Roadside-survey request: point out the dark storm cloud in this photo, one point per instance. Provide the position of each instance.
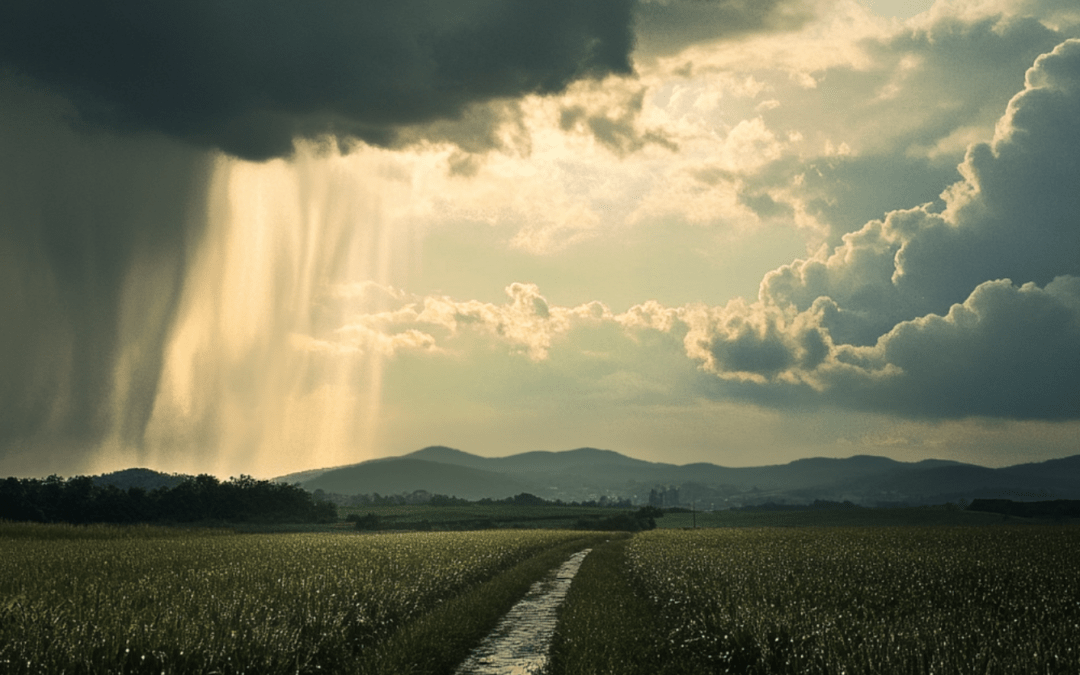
(106, 109)
(970, 310)
(249, 76)
(665, 27)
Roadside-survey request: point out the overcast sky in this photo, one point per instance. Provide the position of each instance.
(264, 236)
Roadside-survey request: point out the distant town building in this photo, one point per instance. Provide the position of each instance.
(662, 497)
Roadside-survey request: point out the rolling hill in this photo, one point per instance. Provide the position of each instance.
(406, 475)
(590, 473)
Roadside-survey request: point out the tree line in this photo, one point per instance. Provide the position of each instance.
(1056, 508)
(198, 499)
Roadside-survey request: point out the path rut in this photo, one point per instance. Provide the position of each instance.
(519, 643)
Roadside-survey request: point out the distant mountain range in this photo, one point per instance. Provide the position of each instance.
(590, 474)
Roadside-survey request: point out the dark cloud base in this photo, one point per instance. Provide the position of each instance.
(250, 76)
(667, 26)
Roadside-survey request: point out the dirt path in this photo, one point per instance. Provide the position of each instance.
(519, 644)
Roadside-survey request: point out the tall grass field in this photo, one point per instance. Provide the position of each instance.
(153, 600)
(941, 600)
(830, 600)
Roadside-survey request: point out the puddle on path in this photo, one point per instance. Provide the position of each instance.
(519, 644)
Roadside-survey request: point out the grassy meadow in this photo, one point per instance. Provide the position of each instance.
(198, 602)
(942, 600)
(906, 599)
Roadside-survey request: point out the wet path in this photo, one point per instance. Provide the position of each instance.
(519, 644)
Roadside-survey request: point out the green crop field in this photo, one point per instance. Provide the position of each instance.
(1001, 599)
(151, 600)
(827, 600)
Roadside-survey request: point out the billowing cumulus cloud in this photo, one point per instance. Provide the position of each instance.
(1006, 351)
(527, 323)
(970, 310)
(753, 343)
(855, 118)
(357, 339)
(250, 76)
